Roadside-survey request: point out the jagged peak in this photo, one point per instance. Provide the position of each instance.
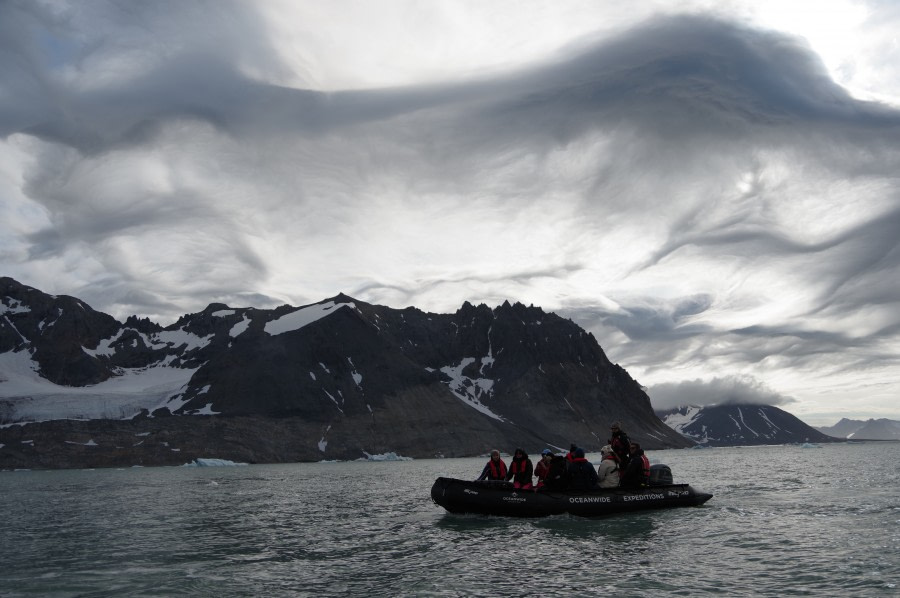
(467, 308)
(521, 311)
(341, 298)
(145, 325)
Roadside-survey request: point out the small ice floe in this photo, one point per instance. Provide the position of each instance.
(809, 445)
(392, 456)
(212, 463)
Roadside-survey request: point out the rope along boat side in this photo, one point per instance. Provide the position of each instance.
(500, 498)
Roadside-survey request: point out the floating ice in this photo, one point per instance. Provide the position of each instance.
(392, 456)
(212, 463)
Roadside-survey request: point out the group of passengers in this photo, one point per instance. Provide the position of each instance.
(623, 464)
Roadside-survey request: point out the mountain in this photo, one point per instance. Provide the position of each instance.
(339, 379)
(873, 429)
(843, 429)
(740, 425)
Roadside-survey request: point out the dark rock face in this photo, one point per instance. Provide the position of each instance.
(333, 380)
(55, 330)
(740, 425)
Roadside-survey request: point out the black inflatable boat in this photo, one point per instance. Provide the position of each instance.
(500, 498)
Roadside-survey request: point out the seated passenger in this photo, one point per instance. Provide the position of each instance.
(608, 471)
(495, 468)
(520, 470)
(543, 467)
(637, 472)
(571, 454)
(582, 475)
(558, 477)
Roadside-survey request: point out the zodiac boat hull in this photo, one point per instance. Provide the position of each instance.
(500, 498)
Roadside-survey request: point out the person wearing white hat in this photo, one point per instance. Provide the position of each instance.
(608, 471)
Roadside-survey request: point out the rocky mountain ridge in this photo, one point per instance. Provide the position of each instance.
(338, 379)
(740, 425)
(871, 429)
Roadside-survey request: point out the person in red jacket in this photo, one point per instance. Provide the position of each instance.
(619, 443)
(495, 468)
(543, 467)
(520, 470)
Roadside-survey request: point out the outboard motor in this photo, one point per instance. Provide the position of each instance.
(660, 475)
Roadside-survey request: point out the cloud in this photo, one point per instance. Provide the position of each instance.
(697, 192)
(728, 390)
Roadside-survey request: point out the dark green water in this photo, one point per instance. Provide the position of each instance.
(784, 521)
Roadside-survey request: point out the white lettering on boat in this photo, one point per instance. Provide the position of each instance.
(588, 499)
(628, 498)
(514, 498)
(467, 491)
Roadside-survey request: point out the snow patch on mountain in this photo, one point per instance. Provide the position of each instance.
(470, 390)
(25, 396)
(679, 420)
(11, 305)
(240, 327)
(303, 317)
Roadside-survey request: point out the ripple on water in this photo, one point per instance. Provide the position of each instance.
(775, 527)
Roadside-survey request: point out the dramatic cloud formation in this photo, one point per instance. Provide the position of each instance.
(713, 194)
(732, 390)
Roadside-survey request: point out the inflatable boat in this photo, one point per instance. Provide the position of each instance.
(500, 498)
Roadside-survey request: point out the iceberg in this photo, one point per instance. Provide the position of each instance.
(385, 457)
(212, 463)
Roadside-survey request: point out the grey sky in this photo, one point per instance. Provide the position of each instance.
(712, 193)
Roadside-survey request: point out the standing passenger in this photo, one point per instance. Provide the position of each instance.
(495, 468)
(619, 443)
(608, 471)
(520, 470)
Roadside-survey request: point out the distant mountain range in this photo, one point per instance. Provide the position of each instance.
(339, 379)
(872, 429)
(740, 425)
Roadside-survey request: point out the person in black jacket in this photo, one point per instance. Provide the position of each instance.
(520, 470)
(582, 475)
(637, 472)
(558, 477)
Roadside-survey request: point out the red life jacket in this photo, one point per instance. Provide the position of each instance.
(645, 468)
(518, 466)
(499, 465)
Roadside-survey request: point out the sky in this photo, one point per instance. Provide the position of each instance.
(711, 190)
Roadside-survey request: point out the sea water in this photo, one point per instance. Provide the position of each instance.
(784, 521)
